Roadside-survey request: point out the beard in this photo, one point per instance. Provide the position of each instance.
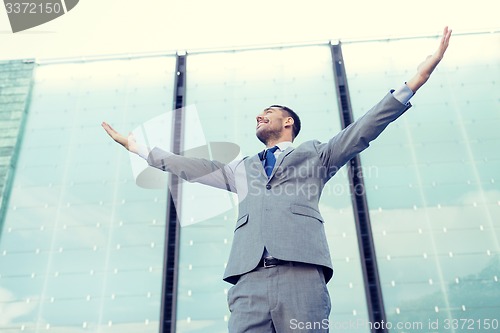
(266, 134)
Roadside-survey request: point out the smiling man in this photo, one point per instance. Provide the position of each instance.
(280, 261)
(271, 121)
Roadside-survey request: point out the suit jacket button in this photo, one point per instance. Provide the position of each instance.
(268, 186)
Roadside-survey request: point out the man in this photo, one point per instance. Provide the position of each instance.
(280, 261)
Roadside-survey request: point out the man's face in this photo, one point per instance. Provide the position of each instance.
(270, 124)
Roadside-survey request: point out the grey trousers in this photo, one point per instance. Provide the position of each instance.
(285, 299)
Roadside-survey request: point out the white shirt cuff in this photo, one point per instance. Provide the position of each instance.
(143, 152)
(403, 94)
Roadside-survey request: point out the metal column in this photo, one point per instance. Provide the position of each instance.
(172, 229)
(375, 302)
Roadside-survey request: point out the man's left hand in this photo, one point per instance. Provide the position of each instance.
(426, 68)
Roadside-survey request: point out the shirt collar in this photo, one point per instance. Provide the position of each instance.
(284, 145)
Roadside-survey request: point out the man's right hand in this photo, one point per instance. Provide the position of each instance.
(128, 142)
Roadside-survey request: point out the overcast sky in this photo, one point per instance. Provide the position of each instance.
(100, 27)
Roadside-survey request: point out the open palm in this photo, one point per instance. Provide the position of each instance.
(425, 69)
(128, 142)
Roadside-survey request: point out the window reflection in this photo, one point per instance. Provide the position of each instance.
(435, 203)
(82, 245)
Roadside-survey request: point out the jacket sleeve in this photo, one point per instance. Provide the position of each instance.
(357, 136)
(199, 170)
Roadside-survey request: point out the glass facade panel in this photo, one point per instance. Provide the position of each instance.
(228, 91)
(82, 245)
(15, 87)
(435, 198)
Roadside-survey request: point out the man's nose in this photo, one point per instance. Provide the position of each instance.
(259, 118)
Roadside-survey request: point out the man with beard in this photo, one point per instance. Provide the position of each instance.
(280, 261)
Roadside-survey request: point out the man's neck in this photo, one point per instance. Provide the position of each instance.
(281, 144)
(272, 143)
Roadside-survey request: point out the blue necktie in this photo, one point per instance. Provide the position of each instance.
(270, 161)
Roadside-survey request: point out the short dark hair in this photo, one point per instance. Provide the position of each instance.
(295, 117)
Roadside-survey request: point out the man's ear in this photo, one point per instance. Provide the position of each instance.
(289, 121)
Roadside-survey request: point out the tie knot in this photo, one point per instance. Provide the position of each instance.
(273, 149)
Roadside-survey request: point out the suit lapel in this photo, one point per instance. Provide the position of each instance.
(256, 164)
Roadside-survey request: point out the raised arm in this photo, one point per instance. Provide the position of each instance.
(357, 136)
(426, 68)
(200, 170)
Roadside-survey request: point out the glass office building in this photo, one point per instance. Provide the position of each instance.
(82, 238)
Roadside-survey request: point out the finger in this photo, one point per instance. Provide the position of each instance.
(112, 133)
(109, 129)
(106, 127)
(446, 36)
(444, 42)
(443, 37)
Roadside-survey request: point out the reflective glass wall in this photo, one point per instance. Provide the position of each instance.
(15, 86)
(435, 198)
(82, 245)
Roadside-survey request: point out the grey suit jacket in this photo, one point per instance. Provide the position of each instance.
(281, 213)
